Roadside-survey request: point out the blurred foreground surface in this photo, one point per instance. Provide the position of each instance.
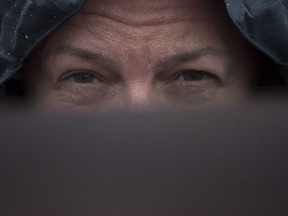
(220, 163)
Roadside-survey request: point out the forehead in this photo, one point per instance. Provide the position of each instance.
(149, 5)
(139, 12)
(138, 19)
(152, 28)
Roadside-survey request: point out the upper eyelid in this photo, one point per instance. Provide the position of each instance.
(198, 61)
(68, 74)
(173, 75)
(180, 59)
(217, 79)
(206, 73)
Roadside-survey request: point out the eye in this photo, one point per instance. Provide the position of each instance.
(188, 82)
(192, 76)
(81, 78)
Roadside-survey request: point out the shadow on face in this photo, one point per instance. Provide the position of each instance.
(139, 55)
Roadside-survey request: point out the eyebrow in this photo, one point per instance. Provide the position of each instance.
(82, 53)
(176, 58)
(192, 55)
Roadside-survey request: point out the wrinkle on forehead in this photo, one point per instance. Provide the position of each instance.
(149, 5)
(124, 24)
(152, 12)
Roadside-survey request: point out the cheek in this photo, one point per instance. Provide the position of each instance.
(76, 99)
(234, 93)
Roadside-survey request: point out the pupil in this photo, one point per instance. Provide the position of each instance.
(192, 76)
(83, 78)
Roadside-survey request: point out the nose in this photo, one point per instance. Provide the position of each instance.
(140, 97)
(139, 82)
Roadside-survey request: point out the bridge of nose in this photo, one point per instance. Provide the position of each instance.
(139, 79)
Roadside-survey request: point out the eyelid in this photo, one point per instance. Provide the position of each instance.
(65, 76)
(176, 75)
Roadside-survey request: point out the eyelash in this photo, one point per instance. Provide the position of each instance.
(207, 81)
(175, 78)
(197, 72)
(68, 75)
(67, 79)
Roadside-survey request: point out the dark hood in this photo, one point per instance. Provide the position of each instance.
(24, 23)
(264, 23)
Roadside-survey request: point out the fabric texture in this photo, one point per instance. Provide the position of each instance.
(25, 23)
(264, 23)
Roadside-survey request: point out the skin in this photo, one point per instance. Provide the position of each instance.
(139, 55)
